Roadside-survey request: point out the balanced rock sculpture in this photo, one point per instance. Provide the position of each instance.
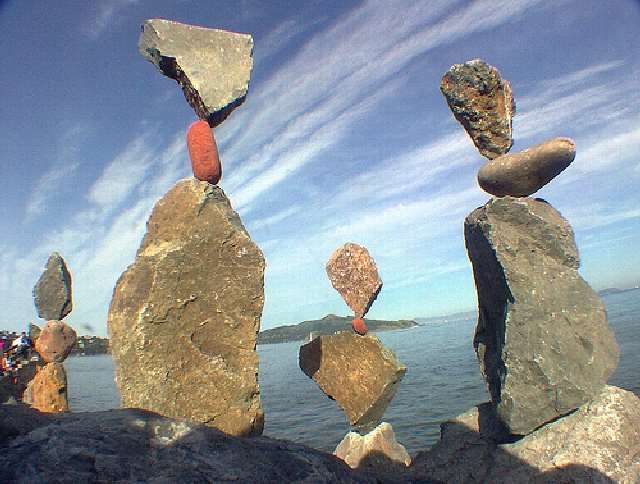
(521, 174)
(482, 102)
(356, 371)
(184, 316)
(212, 66)
(52, 292)
(542, 338)
(353, 273)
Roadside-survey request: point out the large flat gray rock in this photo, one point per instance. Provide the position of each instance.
(184, 316)
(212, 66)
(542, 338)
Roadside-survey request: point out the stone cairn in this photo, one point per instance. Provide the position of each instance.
(184, 316)
(542, 338)
(47, 391)
(355, 370)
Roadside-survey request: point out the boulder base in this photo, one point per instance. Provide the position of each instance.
(600, 442)
(542, 338)
(378, 449)
(184, 316)
(356, 371)
(47, 391)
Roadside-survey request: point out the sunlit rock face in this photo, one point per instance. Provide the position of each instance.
(211, 66)
(542, 339)
(184, 316)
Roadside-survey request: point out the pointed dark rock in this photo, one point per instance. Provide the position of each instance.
(52, 292)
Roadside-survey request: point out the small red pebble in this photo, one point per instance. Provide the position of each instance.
(203, 152)
(358, 326)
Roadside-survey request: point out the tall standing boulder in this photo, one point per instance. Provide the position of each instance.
(542, 339)
(184, 316)
(211, 66)
(47, 391)
(52, 292)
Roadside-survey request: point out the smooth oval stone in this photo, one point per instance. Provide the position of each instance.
(55, 342)
(359, 326)
(521, 174)
(203, 152)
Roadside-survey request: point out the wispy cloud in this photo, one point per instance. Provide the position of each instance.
(108, 12)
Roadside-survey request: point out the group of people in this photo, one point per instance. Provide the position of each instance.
(14, 352)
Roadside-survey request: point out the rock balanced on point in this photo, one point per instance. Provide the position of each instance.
(353, 273)
(483, 103)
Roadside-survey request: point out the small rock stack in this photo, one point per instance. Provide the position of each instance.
(185, 315)
(47, 391)
(543, 341)
(355, 370)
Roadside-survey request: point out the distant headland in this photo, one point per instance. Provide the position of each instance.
(325, 326)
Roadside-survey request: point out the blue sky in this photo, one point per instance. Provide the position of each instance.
(344, 136)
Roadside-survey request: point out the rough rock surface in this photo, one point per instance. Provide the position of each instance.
(212, 66)
(353, 273)
(356, 371)
(600, 442)
(184, 316)
(542, 338)
(378, 449)
(47, 391)
(52, 292)
(55, 341)
(482, 102)
(521, 174)
(138, 446)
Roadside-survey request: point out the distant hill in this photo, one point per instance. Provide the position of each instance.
(327, 325)
(615, 290)
(449, 318)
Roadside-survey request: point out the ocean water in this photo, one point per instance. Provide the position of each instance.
(442, 381)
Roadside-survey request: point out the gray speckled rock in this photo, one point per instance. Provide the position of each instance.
(212, 66)
(542, 338)
(131, 445)
(52, 292)
(482, 102)
(184, 316)
(523, 173)
(600, 442)
(358, 372)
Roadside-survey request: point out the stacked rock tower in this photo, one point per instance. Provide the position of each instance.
(542, 338)
(355, 370)
(47, 391)
(184, 316)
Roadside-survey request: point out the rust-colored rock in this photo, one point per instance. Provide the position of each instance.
(521, 174)
(203, 152)
(377, 450)
(358, 372)
(184, 316)
(353, 273)
(47, 391)
(482, 102)
(359, 326)
(55, 341)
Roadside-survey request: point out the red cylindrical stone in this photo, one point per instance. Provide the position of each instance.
(359, 326)
(203, 152)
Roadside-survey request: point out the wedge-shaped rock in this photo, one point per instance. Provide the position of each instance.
(542, 338)
(212, 66)
(184, 316)
(600, 442)
(521, 174)
(52, 292)
(482, 102)
(378, 449)
(356, 371)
